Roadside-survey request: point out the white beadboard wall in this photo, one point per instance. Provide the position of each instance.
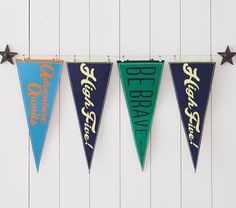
(135, 29)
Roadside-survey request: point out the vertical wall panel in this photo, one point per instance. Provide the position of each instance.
(74, 41)
(73, 168)
(104, 36)
(44, 41)
(104, 29)
(44, 28)
(195, 41)
(165, 28)
(195, 34)
(224, 98)
(105, 167)
(14, 132)
(135, 188)
(165, 145)
(74, 19)
(134, 28)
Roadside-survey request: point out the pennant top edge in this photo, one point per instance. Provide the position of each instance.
(88, 61)
(191, 61)
(140, 61)
(39, 60)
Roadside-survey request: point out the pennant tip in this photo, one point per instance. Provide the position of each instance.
(37, 163)
(195, 167)
(37, 167)
(89, 166)
(142, 166)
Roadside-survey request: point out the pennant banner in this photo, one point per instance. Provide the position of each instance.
(140, 81)
(39, 82)
(89, 82)
(192, 82)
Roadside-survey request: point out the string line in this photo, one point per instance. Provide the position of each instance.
(204, 57)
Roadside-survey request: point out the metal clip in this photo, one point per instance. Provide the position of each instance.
(108, 57)
(211, 59)
(160, 59)
(123, 58)
(175, 58)
(74, 59)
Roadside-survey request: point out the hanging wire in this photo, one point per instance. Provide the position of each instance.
(115, 57)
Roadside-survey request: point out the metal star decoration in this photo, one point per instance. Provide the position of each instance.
(7, 55)
(227, 56)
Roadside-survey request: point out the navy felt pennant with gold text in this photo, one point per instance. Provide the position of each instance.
(192, 82)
